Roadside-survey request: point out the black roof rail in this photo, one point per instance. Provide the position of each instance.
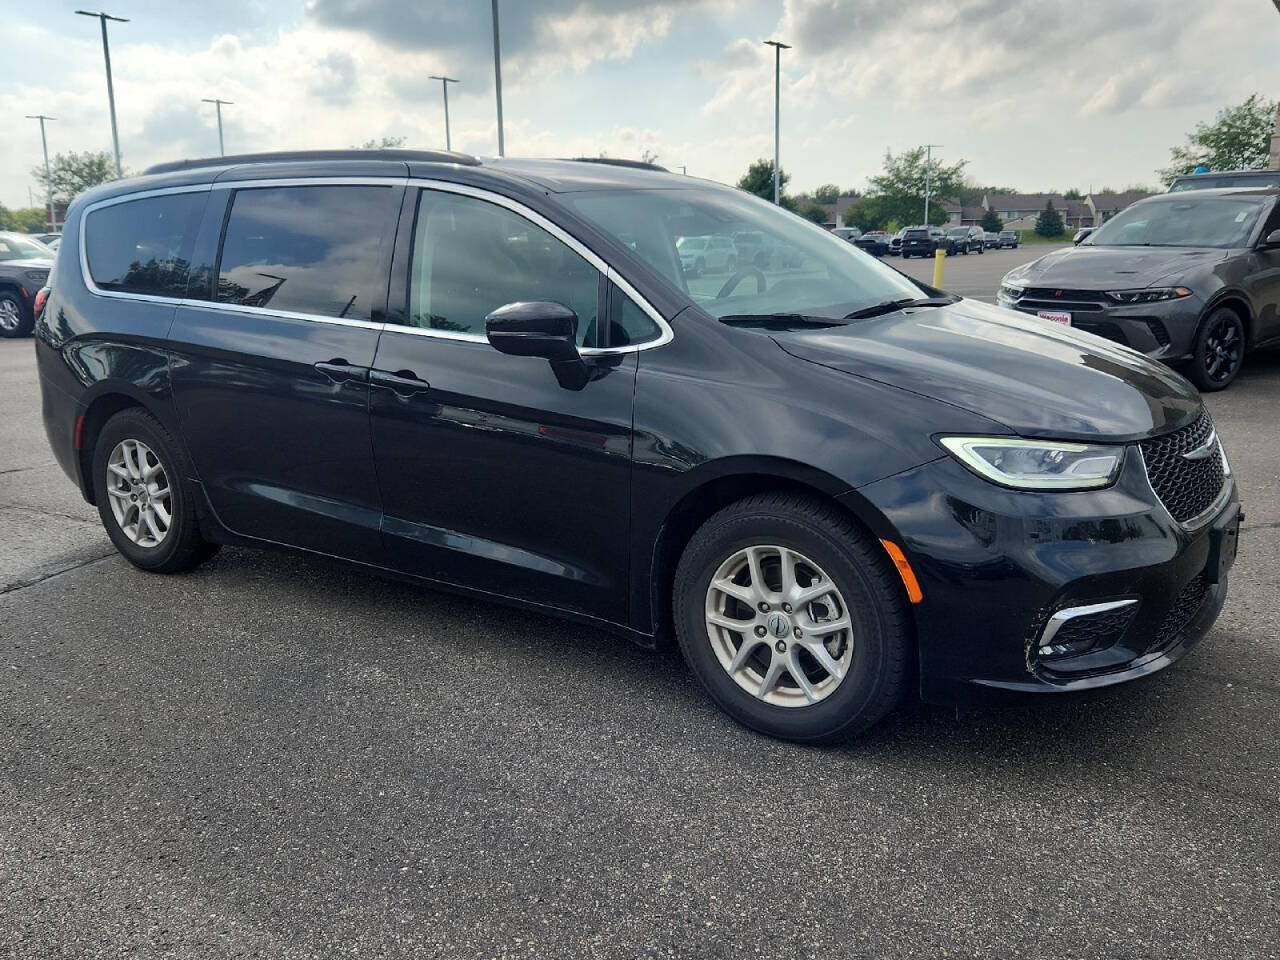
(302, 156)
(616, 162)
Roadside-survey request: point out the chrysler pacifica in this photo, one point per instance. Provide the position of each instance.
(829, 483)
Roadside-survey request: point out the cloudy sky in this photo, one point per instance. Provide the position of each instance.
(1035, 94)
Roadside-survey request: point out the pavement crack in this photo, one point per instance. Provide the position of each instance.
(23, 584)
(37, 466)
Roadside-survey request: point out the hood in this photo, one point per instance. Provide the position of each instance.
(1115, 268)
(1038, 379)
(33, 263)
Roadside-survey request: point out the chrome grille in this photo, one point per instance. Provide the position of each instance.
(1187, 487)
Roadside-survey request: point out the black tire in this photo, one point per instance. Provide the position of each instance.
(182, 546)
(1218, 352)
(857, 566)
(12, 303)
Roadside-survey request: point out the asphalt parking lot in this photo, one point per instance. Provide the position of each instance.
(275, 756)
(976, 275)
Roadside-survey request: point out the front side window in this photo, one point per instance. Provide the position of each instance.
(314, 250)
(144, 246)
(471, 256)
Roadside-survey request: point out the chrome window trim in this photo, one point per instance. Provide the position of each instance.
(665, 332)
(83, 243)
(1062, 617)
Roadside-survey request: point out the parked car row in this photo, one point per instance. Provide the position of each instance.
(1179, 276)
(925, 241)
(726, 253)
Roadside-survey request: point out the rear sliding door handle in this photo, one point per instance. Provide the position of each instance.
(339, 371)
(404, 383)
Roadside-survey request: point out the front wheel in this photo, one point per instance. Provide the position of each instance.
(1219, 350)
(145, 502)
(15, 319)
(792, 619)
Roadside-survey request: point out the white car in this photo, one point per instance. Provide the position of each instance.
(700, 254)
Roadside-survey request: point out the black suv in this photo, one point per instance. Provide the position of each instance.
(965, 240)
(496, 378)
(919, 242)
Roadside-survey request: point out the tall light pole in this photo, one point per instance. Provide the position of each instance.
(497, 76)
(219, 104)
(111, 93)
(778, 47)
(928, 173)
(48, 184)
(444, 87)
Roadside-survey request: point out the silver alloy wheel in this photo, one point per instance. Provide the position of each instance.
(779, 626)
(138, 489)
(10, 313)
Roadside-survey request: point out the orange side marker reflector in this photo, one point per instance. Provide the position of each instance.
(904, 570)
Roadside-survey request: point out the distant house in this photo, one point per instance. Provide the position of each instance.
(962, 216)
(1104, 206)
(839, 213)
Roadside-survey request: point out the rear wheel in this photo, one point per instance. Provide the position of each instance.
(144, 500)
(15, 318)
(792, 619)
(1219, 350)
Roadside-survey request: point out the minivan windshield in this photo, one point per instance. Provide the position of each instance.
(782, 263)
(1189, 220)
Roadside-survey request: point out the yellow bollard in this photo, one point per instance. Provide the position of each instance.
(938, 259)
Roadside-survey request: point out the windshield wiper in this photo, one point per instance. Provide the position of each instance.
(889, 306)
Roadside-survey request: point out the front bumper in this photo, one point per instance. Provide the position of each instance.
(1163, 330)
(995, 565)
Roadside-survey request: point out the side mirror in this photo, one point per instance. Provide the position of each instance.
(1273, 239)
(534, 328)
(540, 328)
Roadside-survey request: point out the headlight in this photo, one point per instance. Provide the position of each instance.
(1149, 295)
(1037, 464)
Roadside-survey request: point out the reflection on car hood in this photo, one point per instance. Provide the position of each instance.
(32, 263)
(1116, 268)
(1037, 379)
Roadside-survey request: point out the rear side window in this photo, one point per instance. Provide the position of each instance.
(144, 246)
(315, 250)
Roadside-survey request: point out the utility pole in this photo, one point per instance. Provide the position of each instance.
(928, 174)
(48, 183)
(444, 87)
(111, 93)
(1274, 162)
(778, 47)
(219, 104)
(497, 76)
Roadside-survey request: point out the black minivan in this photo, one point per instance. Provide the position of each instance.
(829, 482)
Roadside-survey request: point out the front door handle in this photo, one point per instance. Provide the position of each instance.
(404, 383)
(339, 371)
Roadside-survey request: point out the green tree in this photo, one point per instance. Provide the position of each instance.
(902, 185)
(1239, 138)
(815, 213)
(827, 193)
(1073, 194)
(759, 180)
(70, 174)
(382, 143)
(24, 219)
(991, 222)
(1049, 223)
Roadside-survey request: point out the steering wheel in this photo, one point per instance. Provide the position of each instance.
(732, 283)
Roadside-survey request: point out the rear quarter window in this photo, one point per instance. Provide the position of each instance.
(144, 246)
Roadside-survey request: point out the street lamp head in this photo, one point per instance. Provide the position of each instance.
(445, 79)
(102, 16)
(786, 46)
(39, 116)
(225, 103)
